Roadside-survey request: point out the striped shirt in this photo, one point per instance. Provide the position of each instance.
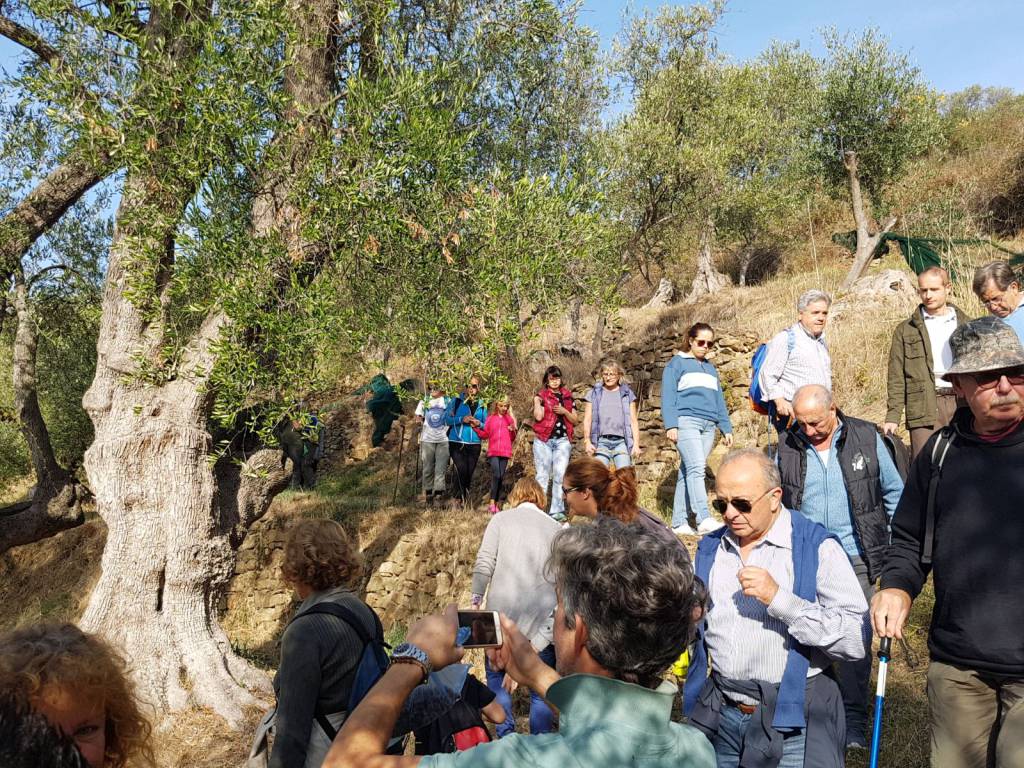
(748, 640)
(783, 372)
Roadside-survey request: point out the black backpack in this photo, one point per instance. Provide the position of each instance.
(373, 662)
(940, 450)
(899, 454)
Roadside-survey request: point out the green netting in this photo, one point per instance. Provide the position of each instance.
(923, 252)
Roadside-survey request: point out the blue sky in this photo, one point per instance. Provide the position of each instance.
(956, 43)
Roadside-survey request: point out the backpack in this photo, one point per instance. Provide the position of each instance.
(373, 662)
(757, 399)
(939, 452)
(898, 453)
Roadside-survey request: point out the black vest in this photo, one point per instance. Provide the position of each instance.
(856, 451)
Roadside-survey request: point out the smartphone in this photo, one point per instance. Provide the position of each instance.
(484, 629)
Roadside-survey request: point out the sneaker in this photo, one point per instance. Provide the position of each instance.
(708, 525)
(684, 530)
(493, 508)
(857, 741)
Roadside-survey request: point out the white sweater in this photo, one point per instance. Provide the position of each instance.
(511, 559)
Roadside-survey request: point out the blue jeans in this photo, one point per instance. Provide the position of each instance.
(695, 440)
(728, 742)
(541, 717)
(612, 450)
(550, 458)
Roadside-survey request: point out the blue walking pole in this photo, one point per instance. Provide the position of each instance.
(884, 648)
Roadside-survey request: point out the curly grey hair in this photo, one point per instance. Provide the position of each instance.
(811, 297)
(636, 593)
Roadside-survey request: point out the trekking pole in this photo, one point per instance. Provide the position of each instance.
(398, 470)
(884, 649)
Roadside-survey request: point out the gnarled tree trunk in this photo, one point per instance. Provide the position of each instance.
(866, 242)
(708, 279)
(56, 504)
(174, 520)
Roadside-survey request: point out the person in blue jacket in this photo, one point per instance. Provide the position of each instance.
(466, 413)
(692, 405)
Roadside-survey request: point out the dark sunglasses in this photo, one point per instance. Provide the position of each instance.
(743, 506)
(989, 379)
(702, 343)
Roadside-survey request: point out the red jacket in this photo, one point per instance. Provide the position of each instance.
(543, 427)
(498, 435)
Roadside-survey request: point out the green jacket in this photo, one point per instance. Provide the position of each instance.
(911, 384)
(603, 722)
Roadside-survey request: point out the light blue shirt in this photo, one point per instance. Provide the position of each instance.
(826, 501)
(1016, 321)
(602, 722)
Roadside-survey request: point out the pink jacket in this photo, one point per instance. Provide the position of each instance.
(497, 434)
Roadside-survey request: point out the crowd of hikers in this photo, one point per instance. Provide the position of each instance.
(815, 547)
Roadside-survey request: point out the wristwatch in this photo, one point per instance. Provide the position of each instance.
(407, 653)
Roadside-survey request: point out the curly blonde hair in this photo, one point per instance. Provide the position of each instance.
(47, 656)
(321, 555)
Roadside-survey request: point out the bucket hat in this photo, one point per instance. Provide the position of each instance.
(985, 344)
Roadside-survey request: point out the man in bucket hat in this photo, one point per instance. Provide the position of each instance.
(971, 534)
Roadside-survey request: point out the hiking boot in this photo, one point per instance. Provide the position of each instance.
(684, 530)
(857, 741)
(708, 525)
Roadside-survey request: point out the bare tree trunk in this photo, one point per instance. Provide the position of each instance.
(575, 318)
(174, 520)
(708, 279)
(57, 502)
(866, 242)
(746, 257)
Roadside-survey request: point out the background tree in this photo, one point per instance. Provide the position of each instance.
(877, 115)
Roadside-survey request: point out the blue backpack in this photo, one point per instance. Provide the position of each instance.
(757, 398)
(373, 663)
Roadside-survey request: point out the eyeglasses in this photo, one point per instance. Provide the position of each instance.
(567, 491)
(702, 343)
(740, 505)
(989, 379)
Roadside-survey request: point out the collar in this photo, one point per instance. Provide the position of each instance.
(817, 339)
(584, 700)
(950, 314)
(779, 535)
(320, 596)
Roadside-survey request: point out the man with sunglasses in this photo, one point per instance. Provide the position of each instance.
(784, 603)
(970, 536)
(837, 472)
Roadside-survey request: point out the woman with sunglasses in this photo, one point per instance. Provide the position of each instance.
(592, 488)
(466, 414)
(692, 405)
(554, 417)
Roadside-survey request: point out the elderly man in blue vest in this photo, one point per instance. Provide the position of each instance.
(784, 603)
(837, 472)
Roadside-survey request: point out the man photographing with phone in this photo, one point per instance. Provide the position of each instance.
(626, 607)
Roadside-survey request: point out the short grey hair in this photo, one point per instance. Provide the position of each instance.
(998, 272)
(815, 393)
(769, 470)
(610, 362)
(812, 297)
(635, 591)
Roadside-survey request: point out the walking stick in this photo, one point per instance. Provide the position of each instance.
(884, 648)
(398, 470)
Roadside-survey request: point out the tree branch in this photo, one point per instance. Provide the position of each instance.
(26, 38)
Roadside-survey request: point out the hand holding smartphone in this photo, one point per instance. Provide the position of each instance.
(484, 629)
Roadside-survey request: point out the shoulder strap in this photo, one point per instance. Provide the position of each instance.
(939, 451)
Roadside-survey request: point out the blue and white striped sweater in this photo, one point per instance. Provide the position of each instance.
(690, 387)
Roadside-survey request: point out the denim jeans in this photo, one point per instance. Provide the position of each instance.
(541, 716)
(550, 458)
(695, 440)
(854, 677)
(612, 450)
(728, 742)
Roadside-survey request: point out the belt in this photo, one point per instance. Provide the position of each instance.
(945, 392)
(746, 709)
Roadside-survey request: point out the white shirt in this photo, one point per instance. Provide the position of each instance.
(940, 328)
